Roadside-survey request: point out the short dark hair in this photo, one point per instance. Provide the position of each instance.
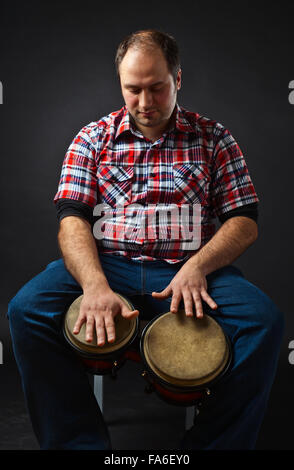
(148, 39)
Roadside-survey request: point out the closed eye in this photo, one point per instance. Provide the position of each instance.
(154, 90)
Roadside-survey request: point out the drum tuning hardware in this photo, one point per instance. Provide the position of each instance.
(208, 392)
(113, 370)
(149, 388)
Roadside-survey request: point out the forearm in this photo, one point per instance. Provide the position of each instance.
(229, 242)
(80, 254)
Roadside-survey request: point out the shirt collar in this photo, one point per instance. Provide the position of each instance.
(125, 123)
(181, 122)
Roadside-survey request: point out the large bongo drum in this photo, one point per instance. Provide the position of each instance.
(184, 357)
(106, 359)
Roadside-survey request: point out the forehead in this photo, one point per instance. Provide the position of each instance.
(143, 66)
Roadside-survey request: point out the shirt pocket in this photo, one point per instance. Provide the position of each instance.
(115, 184)
(191, 183)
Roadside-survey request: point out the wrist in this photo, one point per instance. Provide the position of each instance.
(95, 284)
(198, 264)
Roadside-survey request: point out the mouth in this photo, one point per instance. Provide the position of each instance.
(147, 114)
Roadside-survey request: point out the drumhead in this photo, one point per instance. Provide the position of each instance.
(125, 330)
(185, 351)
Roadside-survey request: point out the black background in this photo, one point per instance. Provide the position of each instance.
(57, 71)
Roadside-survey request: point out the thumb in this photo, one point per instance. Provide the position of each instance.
(163, 294)
(127, 313)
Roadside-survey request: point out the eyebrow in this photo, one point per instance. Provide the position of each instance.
(129, 85)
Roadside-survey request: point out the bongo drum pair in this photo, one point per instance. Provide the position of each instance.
(183, 357)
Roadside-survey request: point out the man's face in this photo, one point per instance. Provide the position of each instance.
(148, 88)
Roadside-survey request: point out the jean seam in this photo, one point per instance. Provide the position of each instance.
(142, 279)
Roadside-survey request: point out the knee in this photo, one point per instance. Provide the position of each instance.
(15, 310)
(270, 316)
(21, 303)
(259, 311)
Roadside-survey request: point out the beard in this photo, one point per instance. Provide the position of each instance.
(158, 118)
(153, 121)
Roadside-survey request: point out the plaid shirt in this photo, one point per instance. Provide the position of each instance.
(196, 165)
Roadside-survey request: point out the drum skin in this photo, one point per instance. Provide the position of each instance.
(104, 359)
(184, 356)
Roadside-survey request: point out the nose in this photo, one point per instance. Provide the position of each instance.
(146, 100)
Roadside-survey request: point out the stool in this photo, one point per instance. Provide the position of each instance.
(96, 382)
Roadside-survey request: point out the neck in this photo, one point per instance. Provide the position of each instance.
(154, 134)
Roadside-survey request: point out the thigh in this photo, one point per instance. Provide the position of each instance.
(241, 304)
(251, 320)
(46, 295)
(50, 293)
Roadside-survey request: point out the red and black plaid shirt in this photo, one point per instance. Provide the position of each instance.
(196, 163)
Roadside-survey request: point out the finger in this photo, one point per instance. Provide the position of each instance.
(100, 331)
(188, 302)
(80, 320)
(163, 294)
(198, 305)
(205, 296)
(89, 328)
(110, 329)
(174, 306)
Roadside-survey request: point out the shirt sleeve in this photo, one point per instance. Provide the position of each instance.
(231, 185)
(78, 180)
(66, 207)
(250, 210)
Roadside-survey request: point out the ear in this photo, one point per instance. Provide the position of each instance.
(179, 79)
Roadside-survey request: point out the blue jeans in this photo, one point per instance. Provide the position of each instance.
(61, 403)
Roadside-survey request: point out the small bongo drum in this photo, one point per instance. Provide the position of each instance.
(183, 357)
(104, 359)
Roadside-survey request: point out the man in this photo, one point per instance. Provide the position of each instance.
(153, 154)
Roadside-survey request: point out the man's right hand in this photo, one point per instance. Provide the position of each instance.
(97, 310)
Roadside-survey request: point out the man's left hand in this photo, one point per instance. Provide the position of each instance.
(190, 285)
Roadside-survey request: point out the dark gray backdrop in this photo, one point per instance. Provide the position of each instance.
(57, 71)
